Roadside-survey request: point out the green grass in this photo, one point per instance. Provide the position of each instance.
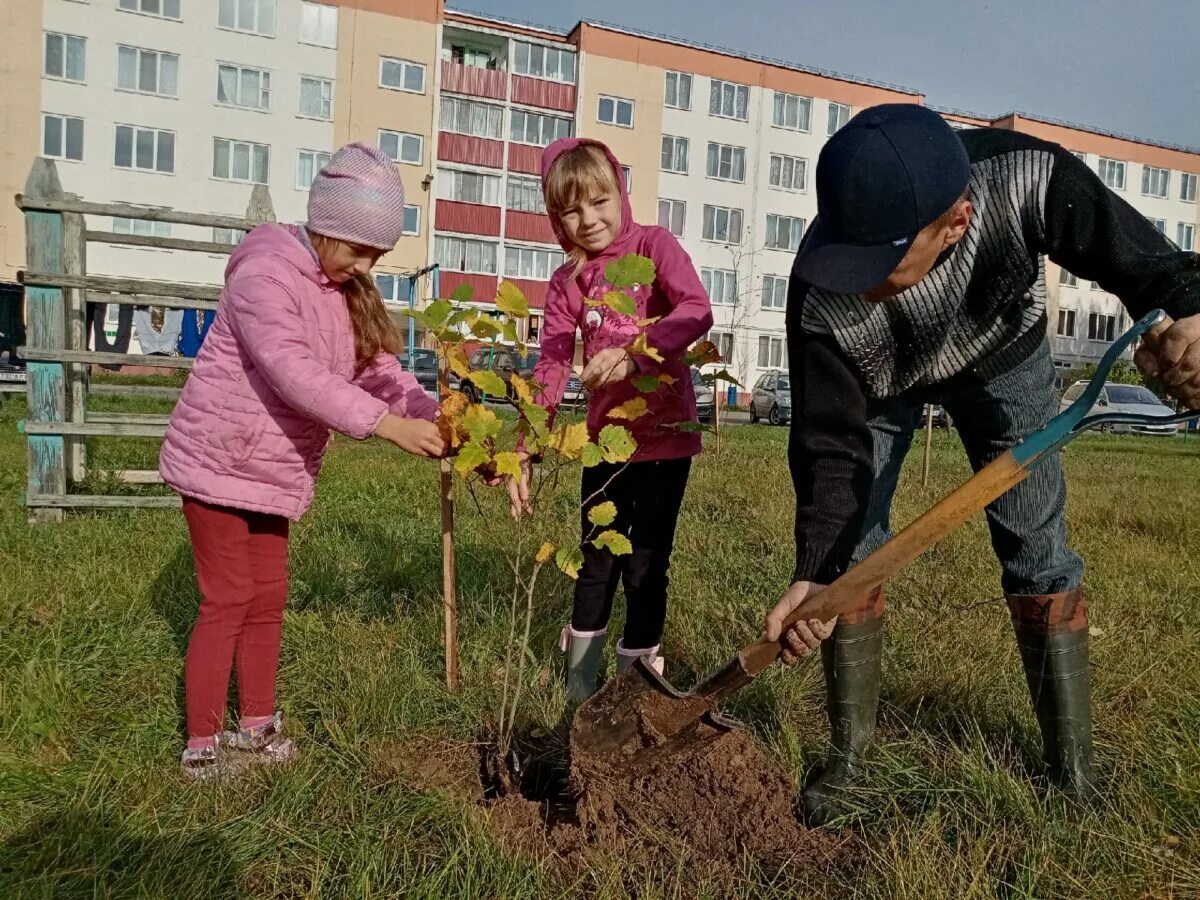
(95, 614)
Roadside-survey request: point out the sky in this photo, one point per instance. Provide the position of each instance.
(1131, 68)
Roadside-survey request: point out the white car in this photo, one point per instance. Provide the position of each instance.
(1124, 398)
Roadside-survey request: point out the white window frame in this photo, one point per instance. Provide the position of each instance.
(1187, 186)
(1066, 278)
(778, 164)
(144, 227)
(525, 187)
(1156, 182)
(452, 183)
(795, 226)
(672, 207)
(736, 160)
(1108, 169)
(779, 111)
(66, 40)
(325, 87)
(233, 145)
(494, 114)
(1095, 321)
(138, 54)
(774, 346)
(63, 126)
(232, 236)
(240, 72)
(315, 159)
(730, 212)
(523, 62)
(158, 133)
(526, 114)
(616, 105)
(1160, 225)
(679, 81)
(400, 136)
(735, 91)
(1070, 318)
(675, 143)
(720, 285)
(416, 210)
(774, 293)
(138, 7)
(461, 266)
(724, 342)
(322, 12)
(839, 114)
(627, 171)
(258, 27)
(1185, 236)
(395, 282)
(404, 65)
(539, 259)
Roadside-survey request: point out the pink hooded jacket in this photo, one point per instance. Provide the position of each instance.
(677, 296)
(275, 375)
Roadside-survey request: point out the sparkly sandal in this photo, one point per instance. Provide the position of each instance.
(205, 763)
(265, 743)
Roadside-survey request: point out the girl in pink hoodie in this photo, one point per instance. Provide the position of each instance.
(589, 207)
(301, 346)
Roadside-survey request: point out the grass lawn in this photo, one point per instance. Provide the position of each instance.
(95, 615)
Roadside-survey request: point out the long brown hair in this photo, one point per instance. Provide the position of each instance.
(584, 171)
(374, 331)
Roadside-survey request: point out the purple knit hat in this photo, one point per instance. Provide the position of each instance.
(358, 197)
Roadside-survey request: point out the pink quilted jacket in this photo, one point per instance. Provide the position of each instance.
(275, 375)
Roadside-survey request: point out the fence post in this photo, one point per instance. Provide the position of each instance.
(46, 330)
(77, 374)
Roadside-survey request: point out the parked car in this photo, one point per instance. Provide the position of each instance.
(1124, 398)
(705, 397)
(504, 361)
(10, 375)
(425, 368)
(941, 418)
(575, 394)
(771, 398)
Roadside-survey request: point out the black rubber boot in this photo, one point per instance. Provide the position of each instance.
(1052, 635)
(852, 659)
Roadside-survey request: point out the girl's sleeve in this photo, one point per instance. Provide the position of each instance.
(691, 316)
(386, 380)
(553, 368)
(266, 319)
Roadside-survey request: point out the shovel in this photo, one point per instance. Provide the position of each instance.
(638, 716)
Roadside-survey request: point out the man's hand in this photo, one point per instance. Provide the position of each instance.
(1173, 357)
(803, 637)
(416, 436)
(518, 489)
(608, 367)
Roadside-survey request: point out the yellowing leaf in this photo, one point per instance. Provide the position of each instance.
(508, 464)
(537, 417)
(666, 379)
(521, 387)
(644, 323)
(485, 327)
(511, 301)
(569, 560)
(647, 384)
(616, 542)
(544, 552)
(451, 422)
(603, 513)
(460, 316)
(616, 443)
(639, 347)
(630, 409)
(619, 301)
(462, 293)
(703, 353)
(591, 455)
(437, 311)
(481, 423)
(488, 382)
(457, 360)
(629, 270)
(469, 458)
(569, 440)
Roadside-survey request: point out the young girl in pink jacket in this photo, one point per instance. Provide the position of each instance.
(301, 346)
(589, 207)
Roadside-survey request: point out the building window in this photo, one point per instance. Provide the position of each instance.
(1102, 327)
(402, 147)
(147, 149)
(1187, 187)
(393, 288)
(525, 195)
(672, 214)
(308, 164)
(627, 172)
(788, 172)
(164, 9)
(147, 71)
(249, 88)
(544, 62)
(318, 24)
(412, 220)
(1066, 323)
(65, 56)
(724, 342)
(615, 111)
(475, 57)
(1112, 173)
(678, 91)
(227, 235)
(1185, 236)
(1080, 155)
(1065, 277)
(463, 255)
(62, 137)
(674, 154)
(401, 75)
(241, 161)
(770, 352)
(720, 285)
(252, 16)
(726, 162)
(537, 129)
(316, 97)
(1160, 225)
(143, 227)
(839, 115)
(1155, 182)
(729, 100)
(529, 262)
(784, 232)
(468, 187)
(472, 118)
(774, 292)
(792, 112)
(722, 224)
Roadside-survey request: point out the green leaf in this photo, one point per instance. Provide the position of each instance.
(616, 542)
(688, 427)
(437, 311)
(460, 316)
(537, 417)
(488, 382)
(462, 294)
(602, 513)
(484, 327)
(723, 375)
(511, 301)
(469, 458)
(616, 443)
(629, 270)
(508, 464)
(647, 384)
(481, 423)
(591, 455)
(569, 560)
(619, 301)
(417, 316)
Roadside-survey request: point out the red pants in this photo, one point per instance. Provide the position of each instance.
(242, 569)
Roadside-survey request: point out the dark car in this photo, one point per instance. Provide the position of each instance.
(705, 398)
(11, 377)
(504, 361)
(772, 398)
(575, 394)
(425, 368)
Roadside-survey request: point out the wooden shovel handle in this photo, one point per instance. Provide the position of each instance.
(851, 590)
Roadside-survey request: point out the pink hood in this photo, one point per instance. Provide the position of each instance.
(676, 298)
(275, 376)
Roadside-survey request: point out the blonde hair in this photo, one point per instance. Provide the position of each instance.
(374, 331)
(580, 173)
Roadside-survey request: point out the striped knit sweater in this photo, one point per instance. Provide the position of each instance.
(979, 311)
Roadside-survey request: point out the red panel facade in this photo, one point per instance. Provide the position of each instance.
(534, 291)
(467, 218)
(533, 227)
(546, 94)
(471, 150)
(483, 287)
(525, 158)
(472, 80)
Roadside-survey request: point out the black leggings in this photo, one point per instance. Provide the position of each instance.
(647, 496)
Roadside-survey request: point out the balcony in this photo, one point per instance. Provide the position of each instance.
(532, 227)
(525, 158)
(467, 218)
(474, 81)
(541, 92)
(483, 287)
(474, 151)
(534, 291)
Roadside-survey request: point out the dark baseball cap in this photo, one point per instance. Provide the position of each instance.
(892, 170)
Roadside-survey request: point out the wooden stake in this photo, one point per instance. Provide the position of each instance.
(928, 444)
(717, 413)
(449, 585)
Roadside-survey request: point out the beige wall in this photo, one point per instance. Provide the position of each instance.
(20, 120)
(362, 107)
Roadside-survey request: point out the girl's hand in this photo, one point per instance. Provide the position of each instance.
(518, 489)
(419, 437)
(608, 367)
